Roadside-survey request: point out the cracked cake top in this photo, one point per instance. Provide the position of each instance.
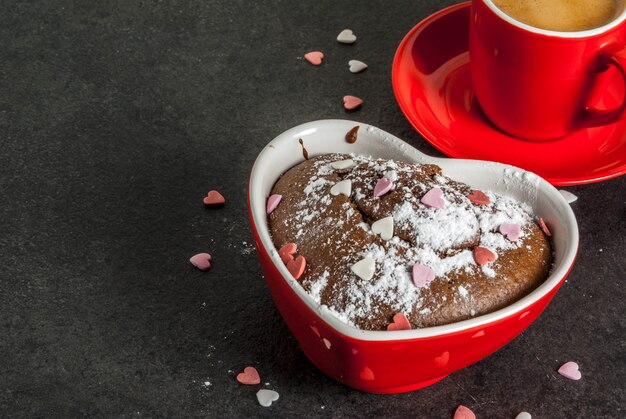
(384, 238)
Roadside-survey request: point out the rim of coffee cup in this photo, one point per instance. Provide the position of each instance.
(547, 32)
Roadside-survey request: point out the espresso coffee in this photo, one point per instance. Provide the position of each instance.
(562, 15)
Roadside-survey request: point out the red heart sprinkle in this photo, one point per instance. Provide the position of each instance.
(249, 376)
(286, 252)
(213, 198)
(478, 197)
(296, 266)
(314, 57)
(201, 261)
(544, 227)
(352, 102)
(463, 412)
(400, 322)
(483, 255)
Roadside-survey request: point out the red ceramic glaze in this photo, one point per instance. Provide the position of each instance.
(432, 84)
(396, 361)
(536, 84)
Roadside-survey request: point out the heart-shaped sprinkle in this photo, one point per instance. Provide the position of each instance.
(249, 376)
(326, 343)
(478, 197)
(483, 256)
(433, 198)
(569, 197)
(463, 412)
(384, 228)
(342, 164)
(287, 251)
(383, 186)
(344, 188)
(570, 370)
(296, 266)
(272, 203)
(523, 415)
(400, 322)
(441, 361)
(213, 198)
(510, 231)
(356, 66)
(422, 275)
(352, 102)
(201, 261)
(314, 57)
(346, 36)
(266, 397)
(544, 227)
(364, 268)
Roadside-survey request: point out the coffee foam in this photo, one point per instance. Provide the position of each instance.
(562, 15)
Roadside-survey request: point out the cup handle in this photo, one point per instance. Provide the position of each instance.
(594, 117)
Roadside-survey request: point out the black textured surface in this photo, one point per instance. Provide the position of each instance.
(117, 117)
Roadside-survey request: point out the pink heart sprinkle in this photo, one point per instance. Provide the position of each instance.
(422, 275)
(510, 231)
(433, 198)
(570, 370)
(201, 261)
(383, 186)
(483, 256)
(314, 57)
(544, 227)
(272, 203)
(352, 102)
(249, 376)
(463, 412)
(400, 322)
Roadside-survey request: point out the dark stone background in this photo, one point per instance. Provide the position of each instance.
(117, 117)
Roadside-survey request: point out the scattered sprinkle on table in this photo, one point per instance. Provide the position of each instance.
(213, 199)
(346, 36)
(356, 66)
(201, 261)
(266, 397)
(314, 57)
(463, 412)
(352, 102)
(523, 415)
(249, 376)
(570, 370)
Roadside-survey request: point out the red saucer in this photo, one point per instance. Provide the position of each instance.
(431, 81)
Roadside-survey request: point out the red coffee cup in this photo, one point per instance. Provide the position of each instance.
(540, 84)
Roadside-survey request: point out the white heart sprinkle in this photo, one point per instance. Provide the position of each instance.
(344, 187)
(523, 415)
(346, 37)
(266, 397)
(356, 66)
(342, 164)
(364, 268)
(383, 227)
(569, 197)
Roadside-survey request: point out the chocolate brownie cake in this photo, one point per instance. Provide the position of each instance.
(383, 238)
